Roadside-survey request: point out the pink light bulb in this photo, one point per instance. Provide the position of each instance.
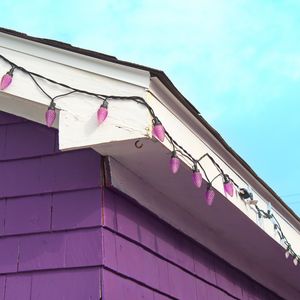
(295, 261)
(102, 112)
(228, 186)
(50, 115)
(287, 253)
(6, 79)
(158, 130)
(174, 163)
(197, 177)
(209, 196)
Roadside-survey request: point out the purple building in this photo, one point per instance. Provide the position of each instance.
(92, 212)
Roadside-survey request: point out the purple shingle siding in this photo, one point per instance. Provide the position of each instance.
(50, 204)
(142, 252)
(63, 236)
(76, 209)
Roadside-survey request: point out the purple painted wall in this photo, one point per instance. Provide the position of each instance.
(63, 236)
(146, 257)
(50, 204)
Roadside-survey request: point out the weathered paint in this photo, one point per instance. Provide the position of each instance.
(63, 236)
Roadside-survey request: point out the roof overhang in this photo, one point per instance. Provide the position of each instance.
(229, 228)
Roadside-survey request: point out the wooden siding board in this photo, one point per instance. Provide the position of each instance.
(6, 118)
(20, 177)
(164, 284)
(184, 252)
(204, 263)
(184, 269)
(28, 214)
(78, 284)
(158, 296)
(9, 254)
(126, 219)
(113, 286)
(150, 269)
(109, 249)
(182, 284)
(62, 172)
(60, 250)
(129, 258)
(27, 140)
(166, 243)
(76, 209)
(72, 170)
(18, 287)
(110, 216)
(83, 248)
(147, 235)
(42, 251)
(227, 278)
(2, 216)
(2, 140)
(2, 286)
(202, 290)
(116, 288)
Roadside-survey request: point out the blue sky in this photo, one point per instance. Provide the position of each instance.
(237, 61)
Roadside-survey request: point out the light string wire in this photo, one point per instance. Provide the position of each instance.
(175, 145)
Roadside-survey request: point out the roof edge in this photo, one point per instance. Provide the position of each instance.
(169, 85)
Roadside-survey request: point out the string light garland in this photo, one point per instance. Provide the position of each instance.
(161, 134)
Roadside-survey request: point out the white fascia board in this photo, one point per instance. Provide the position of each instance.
(77, 112)
(196, 138)
(75, 60)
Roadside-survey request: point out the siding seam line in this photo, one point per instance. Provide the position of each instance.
(139, 282)
(169, 261)
(49, 232)
(50, 192)
(22, 272)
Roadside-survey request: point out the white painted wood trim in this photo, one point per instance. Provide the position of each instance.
(194, 137)
(101, 67)
(76, 113)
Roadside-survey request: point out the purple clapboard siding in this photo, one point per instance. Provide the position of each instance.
(76, 209)
(142, 252)
(50, 216)
(27, 214)
(76, 284)
(63, 236)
